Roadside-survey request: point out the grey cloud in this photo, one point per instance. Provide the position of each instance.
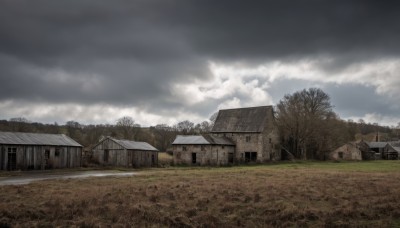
(131, 52)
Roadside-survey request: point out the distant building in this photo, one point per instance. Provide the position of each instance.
(379, 150)
(253, 130)
(203, 150)
(348, 151)
(126, 153)
(26, 151)
(392, 150)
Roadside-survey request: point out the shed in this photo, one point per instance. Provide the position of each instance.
(126, 153)
(203, 150)
(25, 151)
(392, 151)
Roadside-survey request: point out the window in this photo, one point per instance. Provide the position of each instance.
(203, 148)
(184, 148)
(248, 138)
(222, 146)
(270, 140)
(57, 152)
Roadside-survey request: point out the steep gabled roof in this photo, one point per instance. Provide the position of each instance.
(22, 138)
(134, 145)
(201, 140)
(242, 119)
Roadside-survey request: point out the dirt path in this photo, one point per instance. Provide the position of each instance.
(31, 177)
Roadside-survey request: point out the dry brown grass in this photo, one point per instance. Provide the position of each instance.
(278, 196)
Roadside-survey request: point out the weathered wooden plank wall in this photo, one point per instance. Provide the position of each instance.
(33, 157)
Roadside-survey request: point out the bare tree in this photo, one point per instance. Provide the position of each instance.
(128, 127)
(20, 124)
(164, 135)
(185, 127)
(300, 115)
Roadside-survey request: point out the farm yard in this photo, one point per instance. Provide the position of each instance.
(282, 194)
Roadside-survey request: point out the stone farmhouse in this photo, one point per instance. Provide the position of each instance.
(348, 151)
(24, 151)
(203, 150)
(125, 153)
(252, 130)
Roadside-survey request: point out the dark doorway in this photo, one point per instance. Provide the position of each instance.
(106, 154)
(230, 157)
(194, 157)
(46, 158)
(153, 159)
(250, 156)
(12, 159)
(340, 155)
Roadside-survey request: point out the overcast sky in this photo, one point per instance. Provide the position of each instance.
(164, 61)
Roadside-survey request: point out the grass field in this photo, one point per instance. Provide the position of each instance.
(312, 194)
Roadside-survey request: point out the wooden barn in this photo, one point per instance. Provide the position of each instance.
(348, 151)
(253, 130)
(203, 150)
(24, 151)
(115, 152)
(392, 151)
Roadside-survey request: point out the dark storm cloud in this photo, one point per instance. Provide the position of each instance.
(131, 52)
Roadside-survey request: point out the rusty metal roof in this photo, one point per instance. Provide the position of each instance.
(134, 145)
(201, 140)
(22, 138)
(242, 119)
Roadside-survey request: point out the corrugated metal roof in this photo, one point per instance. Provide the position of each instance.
(190, 139)
(134, 145)
(242, 119)
(201, 140)
(22, 138)
(377, 144)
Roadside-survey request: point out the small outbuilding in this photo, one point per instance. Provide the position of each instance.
(392, 151)
(348, 151)
(126, 153)
(203, 150)
(24, 151)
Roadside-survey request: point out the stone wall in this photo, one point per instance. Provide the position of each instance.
(205, 154)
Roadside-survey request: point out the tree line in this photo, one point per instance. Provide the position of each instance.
(309, 128)
(307, 124)
(161, 135)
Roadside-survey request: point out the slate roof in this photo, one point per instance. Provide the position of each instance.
(201, 140)
(22, 138)
(242, 119)
(135, 145)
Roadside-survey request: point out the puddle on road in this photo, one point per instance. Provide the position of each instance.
(26, 180)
